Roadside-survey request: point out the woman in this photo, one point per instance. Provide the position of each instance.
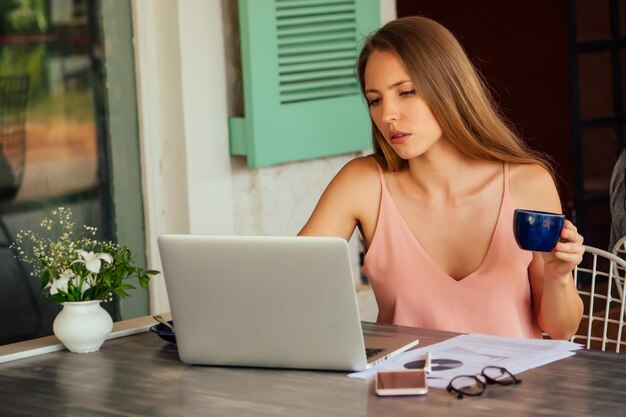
(617, 193)
(435, 202)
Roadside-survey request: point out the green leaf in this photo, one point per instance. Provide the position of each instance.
(45, 278)
(126, 287)
(119, 292)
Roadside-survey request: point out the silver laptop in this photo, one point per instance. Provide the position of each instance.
(268, 301)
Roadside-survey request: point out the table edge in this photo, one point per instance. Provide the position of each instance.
(48, 344)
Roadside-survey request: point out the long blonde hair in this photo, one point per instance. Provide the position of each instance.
(457, 96)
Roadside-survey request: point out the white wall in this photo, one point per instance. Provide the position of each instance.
(188, 84)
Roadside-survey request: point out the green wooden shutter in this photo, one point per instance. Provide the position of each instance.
(301, 96)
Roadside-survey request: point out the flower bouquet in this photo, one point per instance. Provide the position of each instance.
(75, 268)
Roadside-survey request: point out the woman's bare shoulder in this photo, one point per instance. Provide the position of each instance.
(533, 187)
(359, 172)
(357, 184)
(348, 200)
(362, 165)
(529, 173)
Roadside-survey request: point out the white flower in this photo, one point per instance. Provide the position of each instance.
(86, 284)
(60, 284)
(92, 260)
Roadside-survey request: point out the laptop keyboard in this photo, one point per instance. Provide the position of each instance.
(369, 352)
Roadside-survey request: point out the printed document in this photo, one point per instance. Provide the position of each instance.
(468, 354)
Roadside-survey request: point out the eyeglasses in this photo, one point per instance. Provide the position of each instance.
(474, 385)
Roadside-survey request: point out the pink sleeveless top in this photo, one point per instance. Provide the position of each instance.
(411, 290)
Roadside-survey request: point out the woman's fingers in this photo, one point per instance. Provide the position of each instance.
(570, 233)
(570, 248)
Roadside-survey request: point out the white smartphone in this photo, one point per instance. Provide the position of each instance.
(410, 382)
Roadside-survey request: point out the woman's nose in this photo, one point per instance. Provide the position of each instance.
(390, 112)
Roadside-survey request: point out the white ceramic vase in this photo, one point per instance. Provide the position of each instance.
(82, 326)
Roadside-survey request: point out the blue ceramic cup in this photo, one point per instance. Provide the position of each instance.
(537, 230)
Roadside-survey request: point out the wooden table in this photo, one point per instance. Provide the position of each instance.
(140, 375)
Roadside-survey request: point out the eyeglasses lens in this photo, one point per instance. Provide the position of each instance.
(467, 385)
(497, 375)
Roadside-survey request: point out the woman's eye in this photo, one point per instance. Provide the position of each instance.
(373, 101)
(407, 93)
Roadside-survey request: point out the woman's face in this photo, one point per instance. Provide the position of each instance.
(403, 117)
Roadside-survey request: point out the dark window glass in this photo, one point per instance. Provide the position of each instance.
(596, 94)
(592, 20)
(52, 140)
(598, 146)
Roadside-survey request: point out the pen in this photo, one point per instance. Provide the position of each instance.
(427, 363)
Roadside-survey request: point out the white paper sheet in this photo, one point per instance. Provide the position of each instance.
(468, 354)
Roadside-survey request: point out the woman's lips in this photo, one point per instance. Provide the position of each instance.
(398, 137)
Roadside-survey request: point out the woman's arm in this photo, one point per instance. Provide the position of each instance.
(346, 202)
(556, 301)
